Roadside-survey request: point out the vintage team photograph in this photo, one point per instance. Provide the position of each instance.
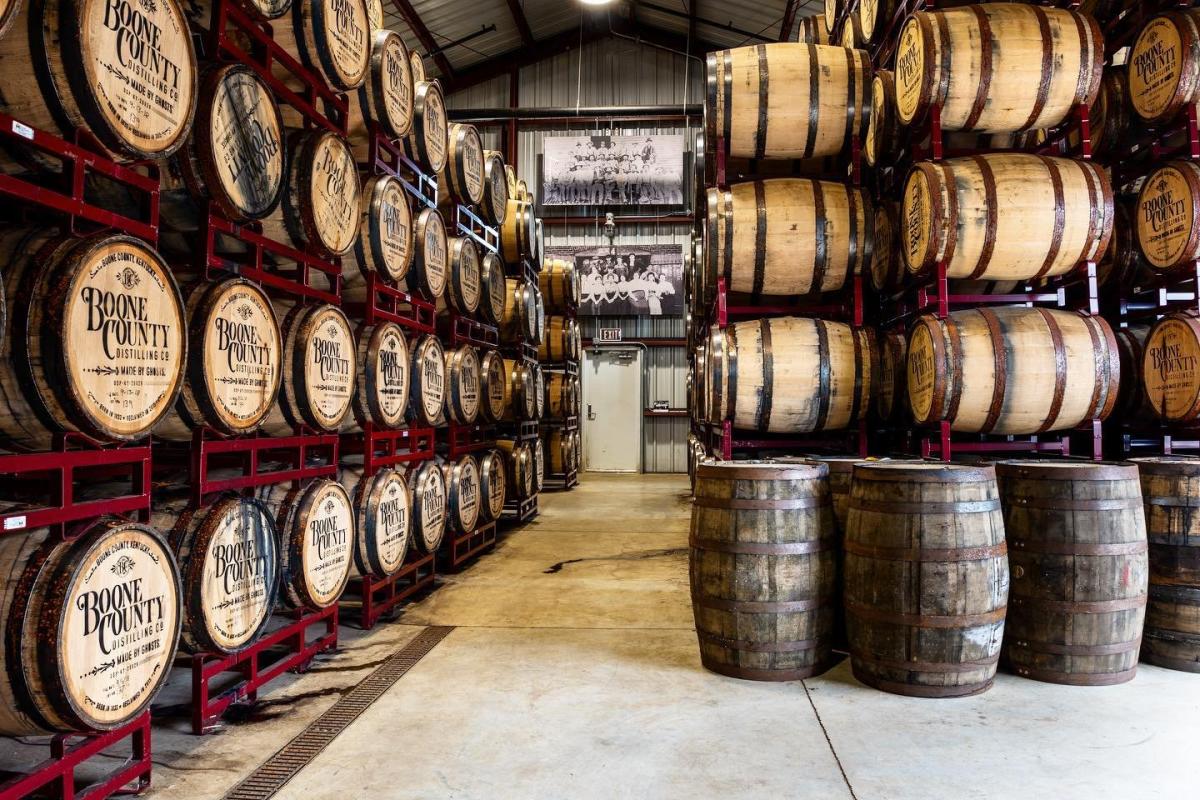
(613, 170)
(627, 280)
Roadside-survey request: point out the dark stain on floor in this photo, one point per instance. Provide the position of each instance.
(642, 556)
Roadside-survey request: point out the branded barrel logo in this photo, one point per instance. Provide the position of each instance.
(345, 40)
(1171, 369)
(239, 575)
(433, 508)
(329, 370)
(433, 379)
(335, 194)
(921, 373)
(395, 229)
(397, 86)
(391, 375)
(247, 143)
(1155, 67)
(916, 222)
(1165, 218)
(435, 127)
(469, 276)
(910, 70)
(392, 522)
(327, 543)
(472, 165)
(241, 356)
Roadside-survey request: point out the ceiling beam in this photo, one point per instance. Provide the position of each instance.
(413, 19)
(789, 19)
(518, 15)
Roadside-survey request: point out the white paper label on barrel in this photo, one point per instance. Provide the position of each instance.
(329, 367)
(119, 625)
(325, 557)
(247, 142)
(395, 229)
(241, 356)
(124, 327)
(335, 193)
(433, 379)
(391, 374)
(392, 522)
(239, 572)
(433, 509)
(396, 73)
(140, 69)
(436, 126)
(347, 34)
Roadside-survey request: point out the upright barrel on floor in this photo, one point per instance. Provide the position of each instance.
(763, 569)
(1077, 555)
(926, 578)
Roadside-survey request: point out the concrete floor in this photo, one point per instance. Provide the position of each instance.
(573, 673)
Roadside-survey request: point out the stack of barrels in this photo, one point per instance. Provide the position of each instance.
(559, 355)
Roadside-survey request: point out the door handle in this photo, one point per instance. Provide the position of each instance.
(590, 414)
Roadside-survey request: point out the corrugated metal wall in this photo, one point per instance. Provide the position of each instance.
(614, 72)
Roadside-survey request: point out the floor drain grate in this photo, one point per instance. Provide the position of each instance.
(280, 768)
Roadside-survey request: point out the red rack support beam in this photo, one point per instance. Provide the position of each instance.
(383, 447)
(378, 596)
(460, 548)
(295, 452)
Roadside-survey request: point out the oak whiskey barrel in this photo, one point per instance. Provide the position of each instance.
(520, 312)
(319, 366)
(559, 284)
(1164, 66)
(427, 381)
(431, 255)
(462, 176)
(883, 130)
(812, 30)
(322, 197)
(789, 236)
(888, 270)
(1170, 486)
(517, 230)
(464, 286)
(1168, 235)
(90, 627)
(893, 367)
(234, 361)
(520, 395)
(762, 569)
(384, 244)
(763, 376)
(463, 497)
(464, 390)
(1056, 212)
(417, 63)
(560, 395)
(95, 340)
(494, 205)
(560, 452)
(385, 100)
(840, 470)
(427, 141)
(381, 383)
(492, 486)
(539, 316)
(1077, 557)
(493, 289)
(332, 37)
(561, 342)
(427, 485)
(539, 464)
(1170, 367)
(997, 67)
(539, 391)
(518, 464)
(870, 19)
(316, 533)
(229, 570)
(123, 71)
(818, 101)
(926, 578)
(382, 520)
(493, 387)
(1012, 370)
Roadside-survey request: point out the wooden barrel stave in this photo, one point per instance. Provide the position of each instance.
(322, 197)
(493, 386)
(464, 284)
(384, 102)
(495, 189)
(430, 269)
(428, 139)
(518, 465)
(316, 530)
(319, 366)
(463, 173)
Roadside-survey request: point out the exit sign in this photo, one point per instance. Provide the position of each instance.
(610, 334)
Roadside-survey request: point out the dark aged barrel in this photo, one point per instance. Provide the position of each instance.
(1168, 235)
(123, 71)
(893, 364)
(1111, 114)
(381, 384)
(463, 385)
(1056, 212)
(462, 175)
(431, 255)
(234, 155)
(787, 100)
(1012, 370)
(316, 532)
(883, 131)
(1077, 554)
(427, 485)
(108, 597)
(812, 30)
(1170, 486)
(319, 368)
(494, 205)
(385, 99)
(462, 494)
(95, 339)
(229, 569)
(789, 236)
(763, 569)
(520, 312)
(998, 67)
(321, 201)
(559, 283)
(887, 265)
(493, 387)
(493, 289)
(332, 37)
(520, 401)
(492, 486)
(1164, 66)
(464, 285)
(384, 244)
(763, 376)
(1170, 368)
(382, 520)
(427, 380)
(234, 360)
(926, 578)
(428, 138)
(518, 461)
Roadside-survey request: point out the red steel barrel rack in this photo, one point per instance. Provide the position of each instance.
(459, 549)
(70, 751)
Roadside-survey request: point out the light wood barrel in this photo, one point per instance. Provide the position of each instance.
(818, 101)
(463, 497)
(493, 486)
(1005, 216)
(427, 381)
(427, 485)
(871, 19)
(1170, 486)
(381, 383)
(561, 341)
(493, 289)
(559, 283)
(516, 234)
(319, 366)
(518, 461)
(789, 236)
(520, 312)
(95, 340)
(997, 67)
(1012, 370)
(888, 270)
(493, 387)
(560, 452)
(812, 30)
(234, 361)
(1164, 66)
(833, 12)
(322, 198)
(764, 378)
(332, 37)
(110, 596)
(382, 520)
(417, 62)
(384, 244)
(560, 395)
(1170, 368)
(229, 567)
(520, 395)
(464, 390)
(123, 71)
(385, 99)
(762, 569)
(1168, 233)
(430, 269)
(883, 131)
(926, 578)
(464, 284)
(893, 368)
(316, 532)
(428, 138)
(494, 205)
(1077, 553)
(462, 176)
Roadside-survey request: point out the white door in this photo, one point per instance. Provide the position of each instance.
(612, 410)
